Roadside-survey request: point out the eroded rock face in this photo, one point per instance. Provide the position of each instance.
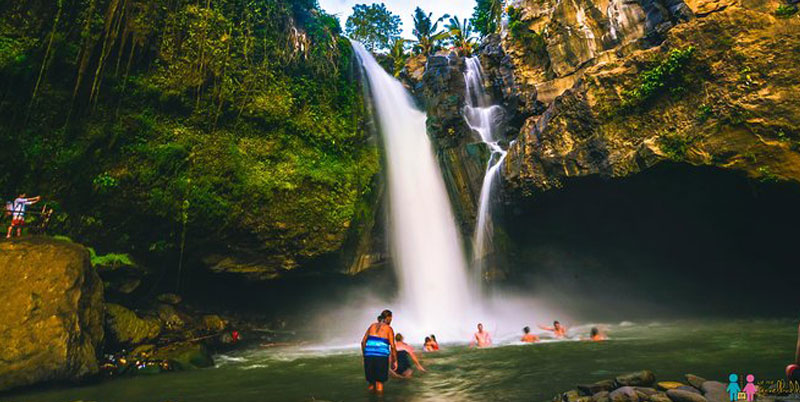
(581, 33)
(51, 323)
(736, 108)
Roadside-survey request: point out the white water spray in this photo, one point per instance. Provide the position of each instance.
(481, 117)
(425, 244)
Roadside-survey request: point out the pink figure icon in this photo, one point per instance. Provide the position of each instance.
(750, 389)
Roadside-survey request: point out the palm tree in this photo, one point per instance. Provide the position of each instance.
(426, 32)
(461, 36)
(398, 55)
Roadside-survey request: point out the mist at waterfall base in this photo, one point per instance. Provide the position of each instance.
(435, 293)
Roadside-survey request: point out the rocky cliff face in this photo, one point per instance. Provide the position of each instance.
(719, 91)
(552, 42)
(51, 323)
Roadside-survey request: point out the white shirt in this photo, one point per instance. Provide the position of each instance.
(19, 207)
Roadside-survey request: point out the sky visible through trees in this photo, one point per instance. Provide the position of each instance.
(402, 8)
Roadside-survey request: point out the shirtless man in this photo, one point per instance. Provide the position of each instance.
(405, 358)
(380, 352)
(596, 336)
(558, 330)
(528, 337)
(482, 338)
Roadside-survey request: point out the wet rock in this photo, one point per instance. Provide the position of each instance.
(570, 396)
(126, 328)
(184, 356)
(51, 320)
(660, 397)
(213, 323)
(601, 396)
(592, 389)
(667, 385)
(689, 389)
(639, 378)
(169, 298)
(624, 394)
(695, 381)
(170, 317)
(714, 391)
(646, 390)
(679, 395)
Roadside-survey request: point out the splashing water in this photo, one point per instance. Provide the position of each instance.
(481, 117)
(425, 244)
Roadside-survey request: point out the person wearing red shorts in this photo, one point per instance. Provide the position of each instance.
(18, 213)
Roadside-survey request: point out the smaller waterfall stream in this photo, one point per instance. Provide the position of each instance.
(481, 116)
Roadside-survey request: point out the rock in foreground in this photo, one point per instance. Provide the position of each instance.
(51, 323)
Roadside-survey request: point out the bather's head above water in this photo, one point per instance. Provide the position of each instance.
(480, 327)
(385, 317)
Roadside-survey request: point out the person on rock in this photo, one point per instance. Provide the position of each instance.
(558, 330)
(18, 213)
(481, 338)
(380, 352)
(527, 336)
(405, 359)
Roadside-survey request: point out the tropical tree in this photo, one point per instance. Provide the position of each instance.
(427, 32)
(398, 55)
(487, 16)
(374, 26)
(461, 36)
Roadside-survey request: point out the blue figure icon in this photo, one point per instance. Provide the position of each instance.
(733, 388)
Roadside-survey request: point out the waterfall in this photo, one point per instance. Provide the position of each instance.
(481, 117)
(434, 295)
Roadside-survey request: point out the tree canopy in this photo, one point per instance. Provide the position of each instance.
(427, 32)
(487, 16)
(374, 26)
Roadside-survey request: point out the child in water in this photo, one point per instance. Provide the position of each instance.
(428, 346)
(527, 336)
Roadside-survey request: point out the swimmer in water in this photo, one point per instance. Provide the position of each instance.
(435, 342)
(596, 336)
(428, 346)
(379, 351)
(405, 358)
(528, 337)
(558, 330)
(481, 338)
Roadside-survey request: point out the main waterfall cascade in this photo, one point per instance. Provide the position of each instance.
(425, 244)
(481, 116)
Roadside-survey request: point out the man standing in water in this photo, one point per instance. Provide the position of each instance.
(379, 352)
(482, 338)
(558, 330)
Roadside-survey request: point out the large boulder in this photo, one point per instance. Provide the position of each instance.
(51, 323)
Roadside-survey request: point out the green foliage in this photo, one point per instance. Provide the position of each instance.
(461, 36)
(110, 260)
(487, 16)
(766, 175)
(374, 26)
(785, 11)
(238, 118)
(704, 112)
(398, 55)
(427, 32)
(675, 146)
(523, 35)
(668, 75)
(104, 182)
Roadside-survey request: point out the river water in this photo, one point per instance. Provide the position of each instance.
(510, 372)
